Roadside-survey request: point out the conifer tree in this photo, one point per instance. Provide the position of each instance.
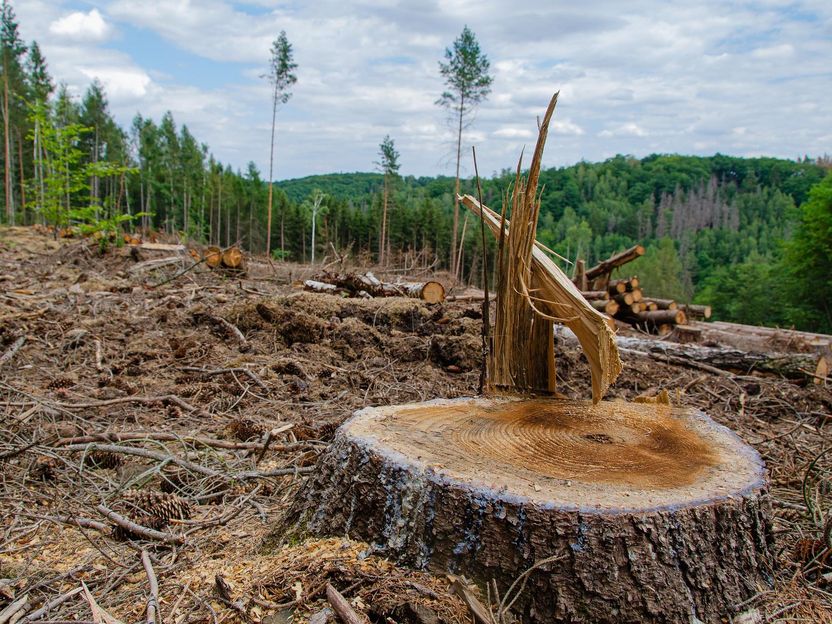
(12, 51)
(281, 76)
(469, 83)
(388, 164)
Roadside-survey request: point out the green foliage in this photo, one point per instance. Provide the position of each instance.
(662, 273)
(750, 292)
(808, 261)
(388, 162)
(465, 73)
(281, 68)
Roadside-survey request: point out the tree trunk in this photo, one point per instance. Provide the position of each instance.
(271, 182)
(696, 311)
(797, 366)
(454, 268)
(604, 267)
(651, 513)
(353, 284)
(7, 140)
(382, 246)
(22, 180)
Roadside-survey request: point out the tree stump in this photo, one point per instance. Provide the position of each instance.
(654, 513)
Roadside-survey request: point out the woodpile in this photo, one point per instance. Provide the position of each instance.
(231, 258)
(368, 286)
(624, 300)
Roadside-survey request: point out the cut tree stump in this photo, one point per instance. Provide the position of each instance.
(654, 513)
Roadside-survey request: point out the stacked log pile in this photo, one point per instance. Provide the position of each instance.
(367, 285)
(624, 300)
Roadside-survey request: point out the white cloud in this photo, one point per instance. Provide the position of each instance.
(120, 82)
(514, 133)
(566, 127)
(667, 77)
(81, 26)
(628, 129)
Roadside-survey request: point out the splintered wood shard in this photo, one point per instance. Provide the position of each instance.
(533, 292)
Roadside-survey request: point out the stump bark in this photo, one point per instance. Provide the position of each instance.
(654, 513)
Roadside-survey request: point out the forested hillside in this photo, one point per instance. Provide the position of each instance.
(717, 229)
(745, 234)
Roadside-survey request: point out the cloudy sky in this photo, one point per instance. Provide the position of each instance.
(692, 77)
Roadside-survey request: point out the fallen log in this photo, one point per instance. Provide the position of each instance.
(213, 257)
(323, 287)
(795, 366)
(608, 306)
(613, 262)
(664, 304)
(591, 295)
(696, 311)
(617, 286)
(232, 258)
(355, 284)
(659, 317)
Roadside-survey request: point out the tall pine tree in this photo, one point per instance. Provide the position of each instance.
(12, 51)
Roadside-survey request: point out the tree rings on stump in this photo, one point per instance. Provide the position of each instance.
(653, 513)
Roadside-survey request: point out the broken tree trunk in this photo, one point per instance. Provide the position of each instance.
(611, 512)
(614, 262)
(654, 513)
(559, 297)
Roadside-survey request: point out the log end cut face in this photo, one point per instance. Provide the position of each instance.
(606, 458)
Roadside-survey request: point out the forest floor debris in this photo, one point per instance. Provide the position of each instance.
(97, 365)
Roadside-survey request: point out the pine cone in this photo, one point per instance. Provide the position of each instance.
(153, 510)
(246, 429)
(44, 469)
(60, 383)
(103, 460)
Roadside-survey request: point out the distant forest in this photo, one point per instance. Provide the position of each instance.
(751, 236)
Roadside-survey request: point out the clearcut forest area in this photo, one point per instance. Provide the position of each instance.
(597, 392)
(145, 400)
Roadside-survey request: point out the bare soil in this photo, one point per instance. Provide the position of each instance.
(220, 427)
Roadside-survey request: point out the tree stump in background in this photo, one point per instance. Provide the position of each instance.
(654, 513)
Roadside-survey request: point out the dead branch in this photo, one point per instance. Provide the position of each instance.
(7, 614)
(224, 594)
(477, 609)
(132, 436)
(132, 527)
(222, 371)
(170, 398)
(84, 523)
(340, 605)
(226, 327)
(55, 602)
(153, 597)
(12, 350)
(147, 454)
